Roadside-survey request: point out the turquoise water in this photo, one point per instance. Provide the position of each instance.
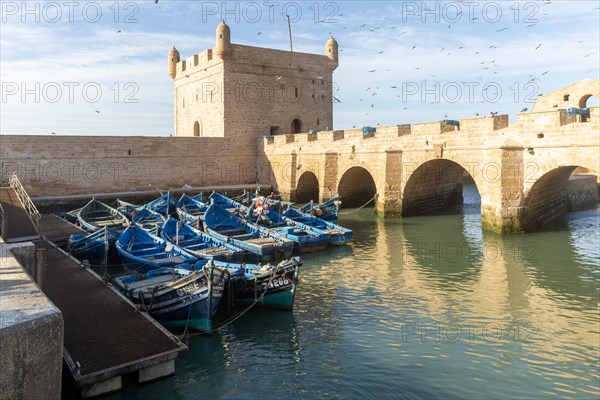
(420, 308)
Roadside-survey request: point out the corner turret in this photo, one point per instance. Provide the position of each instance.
(223, 45)
(173, 59)
(331, 51)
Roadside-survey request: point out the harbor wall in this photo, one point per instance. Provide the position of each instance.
(68, 165)
(31, 332)
(582, 192)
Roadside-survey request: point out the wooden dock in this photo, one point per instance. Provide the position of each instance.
(105, 335)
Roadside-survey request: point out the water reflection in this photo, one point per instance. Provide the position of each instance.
(423, 307)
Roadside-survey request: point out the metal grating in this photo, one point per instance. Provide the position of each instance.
(103, 332)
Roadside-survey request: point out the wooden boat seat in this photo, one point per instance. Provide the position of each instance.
(216, 250)
(262, 241)
(243, 237)
(170, 259)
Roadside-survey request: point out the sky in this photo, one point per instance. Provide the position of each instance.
(100, 67)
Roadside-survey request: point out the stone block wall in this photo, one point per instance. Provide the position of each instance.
(31, 334)
(63, 165)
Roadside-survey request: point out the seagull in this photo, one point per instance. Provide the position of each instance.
(258, 33)
(545, 72)
(155, 1)
(523, 110)
(529, 26)
(380, 52)
(539, 45)
(372, 105)
(336, 99)
(373, 70)
(119, 31)
(493, 113)
(414, 47)
(403, 33)
(54, 133)
(97, 111)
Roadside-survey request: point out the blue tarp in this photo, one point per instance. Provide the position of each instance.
(584, 112)
(368, 130)
(312, 132)
(451, 122)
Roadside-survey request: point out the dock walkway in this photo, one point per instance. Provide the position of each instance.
(105, 335)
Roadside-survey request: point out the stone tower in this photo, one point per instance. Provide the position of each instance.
(242, 92)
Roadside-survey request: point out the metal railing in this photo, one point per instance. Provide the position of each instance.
(30, 208)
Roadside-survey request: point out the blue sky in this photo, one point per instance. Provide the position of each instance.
(99, 67)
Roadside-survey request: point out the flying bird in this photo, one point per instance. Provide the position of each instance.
(97, 111)
(524, 109)
(500, 30)
(380, 52)
(373, 70)
(119, 31)
(54, 133)
(155, 1)
(414, 47)
(258, 33)
(539, 45)
(545, 72)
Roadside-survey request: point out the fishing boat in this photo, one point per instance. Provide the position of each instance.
(327, 210)
(267, 285)
(337, 234)
(200, 244)
(126, 208)
(97, 215)
(94, 247)
(148, 219)
(255, 240)
(176, 297)
(165, 204)
(191, 210)
(142, 251)
(306, 238)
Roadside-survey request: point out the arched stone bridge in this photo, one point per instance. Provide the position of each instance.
(521, 169)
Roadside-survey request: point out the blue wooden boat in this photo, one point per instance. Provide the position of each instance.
(165, 204)
(126, 208)
(200, 244)
(142, 251)
(306, 238)
(267, 285)
(327, 210)
(97, 215)
(148, 219)
(93, 247)
(255, 240)
(177, 298)
(337, 234)
(191, 210)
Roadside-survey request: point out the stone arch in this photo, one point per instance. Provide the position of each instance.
(307, 188)
(197, 128)
(434, 186)
(356, 187)
(547, 199)
(296, 126)
(588, 100)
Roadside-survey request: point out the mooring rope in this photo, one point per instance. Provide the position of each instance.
(229, 321)
(354, 211)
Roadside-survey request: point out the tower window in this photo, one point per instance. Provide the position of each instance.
(220, 36)
(183, 103)
(274, 130)
(296, 126)
(196, 129)
(318, 121)
(296, 92)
